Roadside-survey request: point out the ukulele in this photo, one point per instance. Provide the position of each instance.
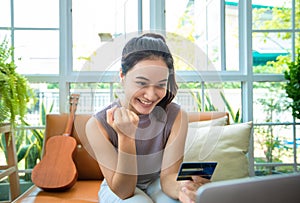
(57, 171)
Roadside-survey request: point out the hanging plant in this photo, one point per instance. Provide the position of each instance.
(15, 92)
(292, 75)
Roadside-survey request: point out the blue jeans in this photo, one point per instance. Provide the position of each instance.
(153, 194)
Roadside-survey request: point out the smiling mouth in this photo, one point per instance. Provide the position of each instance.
(145, 102)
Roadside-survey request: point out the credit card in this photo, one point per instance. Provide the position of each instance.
(189, 169)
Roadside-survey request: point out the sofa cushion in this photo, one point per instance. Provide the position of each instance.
(228, 145)
(82, 191)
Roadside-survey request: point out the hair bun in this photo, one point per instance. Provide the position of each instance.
(154, 35)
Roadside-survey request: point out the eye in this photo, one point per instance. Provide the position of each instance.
(140, 83)
(162, 85)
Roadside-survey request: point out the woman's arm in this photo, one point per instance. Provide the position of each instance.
(185, 191)
(118, 166)
(205, 116)
(173, 155)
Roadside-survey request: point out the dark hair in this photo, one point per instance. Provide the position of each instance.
(150, 46)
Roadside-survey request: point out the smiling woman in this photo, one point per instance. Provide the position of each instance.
(144, 125)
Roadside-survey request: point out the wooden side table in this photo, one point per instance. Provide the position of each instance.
(10, 170)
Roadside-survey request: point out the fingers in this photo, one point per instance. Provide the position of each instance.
(122, 120)
(122, 115)
(188, 189)
(134, 118)
(186, 196)
(110, 115)
(200, 180)
(187, 193)
(191, 185)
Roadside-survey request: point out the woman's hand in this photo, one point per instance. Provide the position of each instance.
(188, 189)
(123, 121)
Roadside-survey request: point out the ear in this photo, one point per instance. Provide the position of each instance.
(121, 75)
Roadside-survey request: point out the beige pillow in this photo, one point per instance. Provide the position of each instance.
(194, 126)
(214, 122)
(228, 145)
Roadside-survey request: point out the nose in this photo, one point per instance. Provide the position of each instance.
(150, 93)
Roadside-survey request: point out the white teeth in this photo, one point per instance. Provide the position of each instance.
(145, 102)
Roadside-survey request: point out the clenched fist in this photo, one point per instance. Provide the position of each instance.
(123, 121)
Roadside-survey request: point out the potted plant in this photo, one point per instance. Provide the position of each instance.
(15, 92)
(15, 95)
(292, 87)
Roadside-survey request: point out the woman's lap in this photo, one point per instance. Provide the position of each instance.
(157, 195)
(105, 195)
(153, 194)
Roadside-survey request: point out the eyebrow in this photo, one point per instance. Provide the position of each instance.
(143, 78)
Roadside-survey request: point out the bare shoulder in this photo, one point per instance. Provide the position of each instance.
(182, 116)
(93, 126)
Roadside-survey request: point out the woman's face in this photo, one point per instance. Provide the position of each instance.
(145, 85)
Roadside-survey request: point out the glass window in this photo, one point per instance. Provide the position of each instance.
(269, 15)
(96, 23)
(273, 144)
(35, 37)
(36, 13)
(5, 13)
(30, 137)
(225, 96)
(297, 39)
(274, 43)
(47, 101)
(270, 103)
(297, 12)
(94, 96)
(37, 51)
(146, 14)
(270, 47)
(189, 96)
(200, 22)
(214, 96)
(191, 20)
(231, 35)
(273, 141)
(212, 32)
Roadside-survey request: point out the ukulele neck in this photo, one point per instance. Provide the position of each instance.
(73, 106)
